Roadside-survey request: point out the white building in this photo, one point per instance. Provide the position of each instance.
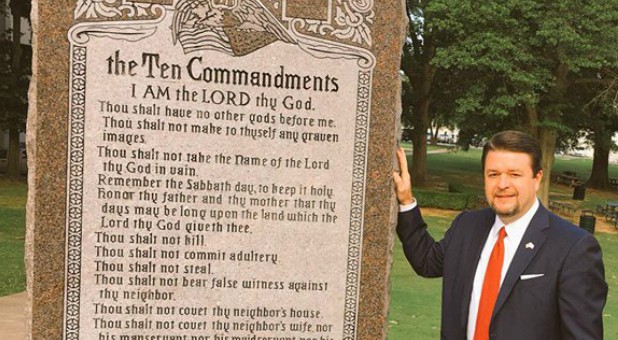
(586, 150)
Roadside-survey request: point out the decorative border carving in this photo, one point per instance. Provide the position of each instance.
(75, 191)
(350, 21)
(321, 48)
(94, 10)
(359, 171)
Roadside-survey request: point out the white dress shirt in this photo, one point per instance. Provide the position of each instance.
(514, 233)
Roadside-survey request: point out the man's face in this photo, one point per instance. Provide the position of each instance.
(510, 187)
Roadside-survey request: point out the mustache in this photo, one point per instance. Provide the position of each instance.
(505, 193)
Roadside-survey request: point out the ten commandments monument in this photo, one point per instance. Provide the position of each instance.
(212, 169)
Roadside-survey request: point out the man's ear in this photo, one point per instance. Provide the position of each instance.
(538, 177)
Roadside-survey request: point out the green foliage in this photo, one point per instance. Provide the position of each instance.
(15, 71)
(446, 200)
(13, 91)
(506, 57)
(547, 67)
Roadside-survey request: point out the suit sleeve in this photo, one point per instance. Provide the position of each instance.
(424, 254)
(583, 291)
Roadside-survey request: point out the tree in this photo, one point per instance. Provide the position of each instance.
(416, 65)
(15, 72)
(525, 55)
(596, 113)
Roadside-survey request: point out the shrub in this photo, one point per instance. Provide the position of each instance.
(446, 200)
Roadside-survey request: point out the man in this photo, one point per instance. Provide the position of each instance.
(512, 271)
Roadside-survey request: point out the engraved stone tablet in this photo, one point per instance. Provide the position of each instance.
(212, 169)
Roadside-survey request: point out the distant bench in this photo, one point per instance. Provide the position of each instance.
(452, 148)
(570, 180)
(610, 211)
(563, 206)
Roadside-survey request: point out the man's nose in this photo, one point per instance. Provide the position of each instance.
(504, 181)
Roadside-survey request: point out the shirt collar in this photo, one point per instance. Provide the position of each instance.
(516, 229)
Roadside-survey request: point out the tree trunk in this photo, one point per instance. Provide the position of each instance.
(433, 139)
(420, 116)
(599, 176)
(416, 64)
(420, 121)
(546, 134)
(14, 155)
(418, 168)
(435, 134)
(531, 125)
(547, 139)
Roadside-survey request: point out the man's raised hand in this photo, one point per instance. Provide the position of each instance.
(402, 180)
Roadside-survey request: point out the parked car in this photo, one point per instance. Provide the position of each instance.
(446, 138)
(406, 135)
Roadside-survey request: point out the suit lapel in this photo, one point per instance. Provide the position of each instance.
(478, 238)
(535, 235)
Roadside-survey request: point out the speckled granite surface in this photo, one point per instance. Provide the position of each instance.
(47, 141)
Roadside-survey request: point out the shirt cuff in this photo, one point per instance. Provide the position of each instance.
(407, 207)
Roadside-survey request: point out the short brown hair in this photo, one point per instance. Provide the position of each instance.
(515, 141)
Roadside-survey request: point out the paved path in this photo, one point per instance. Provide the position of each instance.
(437, 151)
(12, 317)
(434, 151)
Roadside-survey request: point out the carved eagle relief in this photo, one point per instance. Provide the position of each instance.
(235, 27)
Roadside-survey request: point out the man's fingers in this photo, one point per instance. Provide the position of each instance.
(400, 185)
(403, 162)
(397, 179)
(402, 179)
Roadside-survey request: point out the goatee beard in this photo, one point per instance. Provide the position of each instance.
(510, 213)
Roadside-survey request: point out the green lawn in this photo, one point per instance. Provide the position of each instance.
(463, 169)
(415, 301)
(12, 235)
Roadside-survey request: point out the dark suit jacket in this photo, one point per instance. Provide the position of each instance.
(565, 303)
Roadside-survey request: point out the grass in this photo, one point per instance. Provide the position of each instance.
(12, 235)
(582, 167)
(463, 170)
(415, 301)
